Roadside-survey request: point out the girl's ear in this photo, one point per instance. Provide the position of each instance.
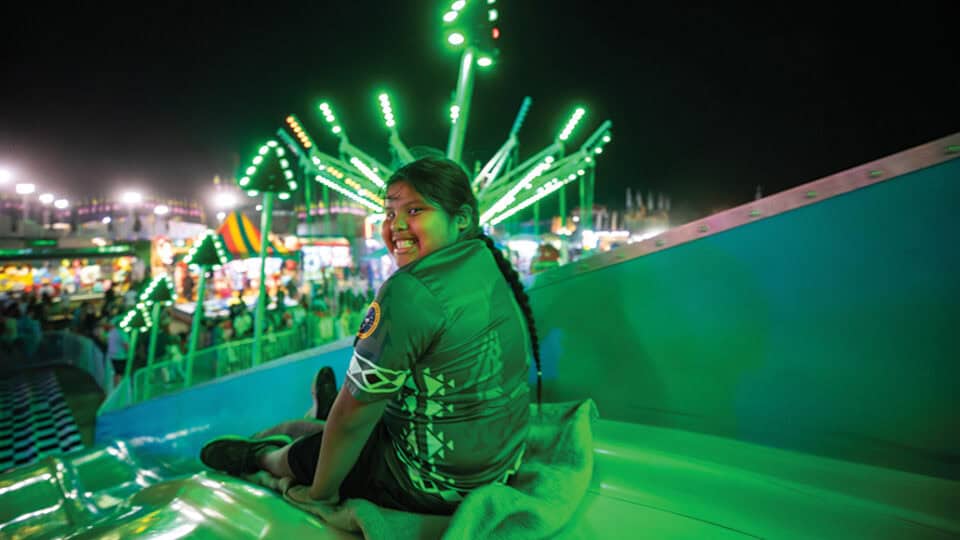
(462, 219)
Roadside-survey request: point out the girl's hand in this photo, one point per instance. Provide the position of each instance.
(326, 498)
(304, 495)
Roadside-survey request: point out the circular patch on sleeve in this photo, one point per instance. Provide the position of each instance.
(370, 321)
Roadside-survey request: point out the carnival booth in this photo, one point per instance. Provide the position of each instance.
(238, 280)
(69, 274)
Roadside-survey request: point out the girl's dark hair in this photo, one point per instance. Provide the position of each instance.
(444, 183)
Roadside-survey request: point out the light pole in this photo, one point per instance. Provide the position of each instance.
(133, 322)
(158, 295)
(60, 204)
(46, 199)
(477, 30)
(206, 255)
(159, 211)
(132, 199)
(270, 174)
(24, 190)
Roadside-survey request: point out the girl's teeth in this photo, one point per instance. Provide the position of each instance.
(404, 244)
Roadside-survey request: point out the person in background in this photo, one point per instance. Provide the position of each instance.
(117, 348)
(29, 332)
(130, 297)
(8, 329)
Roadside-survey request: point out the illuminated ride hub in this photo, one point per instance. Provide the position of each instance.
(504, 186)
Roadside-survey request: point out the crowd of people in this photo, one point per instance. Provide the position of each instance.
(25, 316)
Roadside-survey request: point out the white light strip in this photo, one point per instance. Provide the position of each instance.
(572, 123)
(340, 189)
(510, 196)
(367, 171)
(542, 192)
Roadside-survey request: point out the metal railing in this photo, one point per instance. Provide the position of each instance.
(61, 348)
(211, 363)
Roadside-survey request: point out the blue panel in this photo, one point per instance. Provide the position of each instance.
(830, 329)
(177, 425)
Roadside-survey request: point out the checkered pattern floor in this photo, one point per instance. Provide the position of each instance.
(34, 420)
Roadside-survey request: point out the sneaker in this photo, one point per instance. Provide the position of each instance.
(324, 392)
(238, 455)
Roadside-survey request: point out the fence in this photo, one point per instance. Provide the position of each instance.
(59, 348)
(170, 376)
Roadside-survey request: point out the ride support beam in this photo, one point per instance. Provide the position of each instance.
(458, 129)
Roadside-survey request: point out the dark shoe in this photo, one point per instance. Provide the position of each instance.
(238, 455)
(324, 392)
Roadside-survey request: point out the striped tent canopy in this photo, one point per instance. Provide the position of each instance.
(242, 239)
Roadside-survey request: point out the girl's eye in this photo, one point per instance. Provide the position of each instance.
(414, 211)
(390, 215)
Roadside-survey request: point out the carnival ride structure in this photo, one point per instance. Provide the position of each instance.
(782, 369)
(504, 185)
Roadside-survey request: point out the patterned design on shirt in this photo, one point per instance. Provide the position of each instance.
(431, 482)
(422, 441)
(373, 378)
(491, 363)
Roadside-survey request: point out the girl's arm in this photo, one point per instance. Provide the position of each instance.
(348, 427)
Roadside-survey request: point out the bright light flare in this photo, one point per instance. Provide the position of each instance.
(25, 189)
(224, 199)
(131, 197)
(46, 198)
(60, 204)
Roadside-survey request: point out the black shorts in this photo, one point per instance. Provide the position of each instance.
(370, 478)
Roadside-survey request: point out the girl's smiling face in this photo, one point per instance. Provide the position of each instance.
(413, 227)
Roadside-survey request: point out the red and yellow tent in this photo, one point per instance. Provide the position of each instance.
(242, 239)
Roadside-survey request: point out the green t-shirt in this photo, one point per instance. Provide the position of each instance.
(445, 341)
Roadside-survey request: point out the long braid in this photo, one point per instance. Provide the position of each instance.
(510, 274)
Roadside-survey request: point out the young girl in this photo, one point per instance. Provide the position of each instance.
(435, 401)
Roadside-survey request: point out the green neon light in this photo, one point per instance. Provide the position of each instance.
(52, 251)
(136, 319)
(586, 152)
(340, 189)
(253, 186)
(387, 110)
(208, 252)
(553, 185)
(572, 123)
(330, 118)
(511, 195)
(159, 290)
(367, 171)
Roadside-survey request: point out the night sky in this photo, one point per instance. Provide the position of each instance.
(706, 102)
